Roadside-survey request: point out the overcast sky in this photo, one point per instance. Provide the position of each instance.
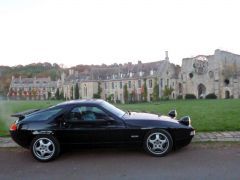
(74, 32)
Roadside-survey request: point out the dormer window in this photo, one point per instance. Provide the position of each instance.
(151, 72)
(130, 74)
(140, 73)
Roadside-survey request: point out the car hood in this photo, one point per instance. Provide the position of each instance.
(148, 116)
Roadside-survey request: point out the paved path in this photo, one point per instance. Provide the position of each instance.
(199, 137)
(217, 136)
(201, 161)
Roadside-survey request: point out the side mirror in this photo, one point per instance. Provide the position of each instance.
(172, 114)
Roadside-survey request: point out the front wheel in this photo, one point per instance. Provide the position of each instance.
(158, 142)
(45, 148)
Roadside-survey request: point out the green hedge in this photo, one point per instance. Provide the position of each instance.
(190, 96)
(211, 96)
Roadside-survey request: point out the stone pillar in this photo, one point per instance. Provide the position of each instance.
(235, 92)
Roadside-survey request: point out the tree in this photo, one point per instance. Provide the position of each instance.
(110, 98)
(49, 95)
(155, 90)
(134, 95)
(61, 95)
(76, 91)
(99, 92)
(125, 93)
(144, 90)
(167, 91)
(71, 93)
(57, 94)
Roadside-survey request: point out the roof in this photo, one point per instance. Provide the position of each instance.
(82, 101)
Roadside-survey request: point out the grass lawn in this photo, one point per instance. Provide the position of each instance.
(206, 115)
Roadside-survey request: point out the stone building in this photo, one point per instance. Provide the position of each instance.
(218, 73)
(113, 78)
(32, 88)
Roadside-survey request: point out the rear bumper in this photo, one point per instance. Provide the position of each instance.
(21, 139)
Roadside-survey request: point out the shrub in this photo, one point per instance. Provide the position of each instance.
(118, 101)
(211, 96)
(190, 96)
(179, 97)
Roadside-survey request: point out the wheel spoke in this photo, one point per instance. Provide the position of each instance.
(157, 137)
(41, 142)
(163, 141)
(49, 151)
(160, 147)
(154, 147)
(37, 148)
(42, 153)
(48, 144)
(152, 141)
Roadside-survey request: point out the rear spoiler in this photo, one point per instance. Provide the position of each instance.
(24, 113)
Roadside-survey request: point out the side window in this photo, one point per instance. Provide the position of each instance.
(43, 115)
(75, 114)
(87, 113)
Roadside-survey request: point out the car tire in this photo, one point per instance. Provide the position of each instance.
(45, 148)
(158, 142)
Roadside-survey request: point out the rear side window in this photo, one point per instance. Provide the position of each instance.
(42, 116)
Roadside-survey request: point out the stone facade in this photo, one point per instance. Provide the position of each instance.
(217, 74)
(32, 88)
(113, 78)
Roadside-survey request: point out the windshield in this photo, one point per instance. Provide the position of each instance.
(112, 109)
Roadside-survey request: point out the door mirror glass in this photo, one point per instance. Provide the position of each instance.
(172, 114)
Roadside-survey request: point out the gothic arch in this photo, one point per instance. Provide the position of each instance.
(201, 91)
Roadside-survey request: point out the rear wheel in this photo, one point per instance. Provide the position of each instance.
(158, 142)
(45, 148)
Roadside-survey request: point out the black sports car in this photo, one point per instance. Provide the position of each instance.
(95, 122)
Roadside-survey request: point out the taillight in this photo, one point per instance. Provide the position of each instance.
(13, 127)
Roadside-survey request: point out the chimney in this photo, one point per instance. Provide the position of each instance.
(166, 56)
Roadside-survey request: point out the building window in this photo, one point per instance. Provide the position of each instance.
(120, 84)
(139, 83)
(129, 84)
(150, 83)
(112, 85)
(161, 82)
(191, 75)
(226, 82)
(105, 85)
(167, 82)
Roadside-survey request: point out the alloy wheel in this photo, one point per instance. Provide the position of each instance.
(157, 143)
(43, 148)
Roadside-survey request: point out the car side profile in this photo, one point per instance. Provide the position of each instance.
(97, 122)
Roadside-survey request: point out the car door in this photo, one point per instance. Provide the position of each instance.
(72, 128)
(105, 128)
(89, 124)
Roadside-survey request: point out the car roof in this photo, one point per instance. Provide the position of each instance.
(81, 101)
